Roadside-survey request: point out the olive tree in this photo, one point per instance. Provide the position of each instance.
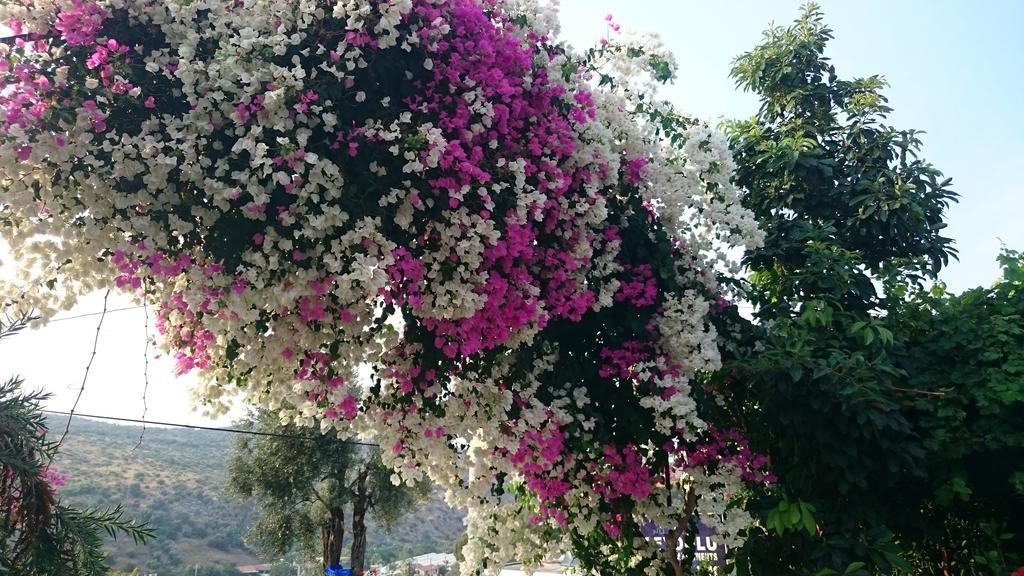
(305, 482)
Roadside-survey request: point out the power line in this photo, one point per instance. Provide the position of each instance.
(196, 427)
(145, 422)
(86, 315)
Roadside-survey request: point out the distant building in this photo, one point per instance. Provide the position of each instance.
(430, 564)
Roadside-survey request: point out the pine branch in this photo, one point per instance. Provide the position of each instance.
(13, 324)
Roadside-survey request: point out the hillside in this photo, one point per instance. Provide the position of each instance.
(174, 480)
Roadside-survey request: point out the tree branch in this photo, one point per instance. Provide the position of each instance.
(916, 391)
(319, 497)
(145, 377)
(676, 535)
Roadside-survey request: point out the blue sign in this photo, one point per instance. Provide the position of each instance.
(709, 551)
(338, 571)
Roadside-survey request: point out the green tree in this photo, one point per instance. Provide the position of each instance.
(39, 534)
(965, 353)
(853, 219)
(304, 485)
(373, 492)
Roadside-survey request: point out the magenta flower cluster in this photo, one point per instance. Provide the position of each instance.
(726, 447)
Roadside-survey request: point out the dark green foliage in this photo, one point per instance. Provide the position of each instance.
(965, 354)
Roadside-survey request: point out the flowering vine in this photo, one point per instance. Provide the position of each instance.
(517, 242)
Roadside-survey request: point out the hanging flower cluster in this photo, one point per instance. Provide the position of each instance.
(426, 220)
(11, 496)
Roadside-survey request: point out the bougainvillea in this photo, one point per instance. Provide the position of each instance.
(424, 220)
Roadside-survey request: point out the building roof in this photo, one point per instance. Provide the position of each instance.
(433, 559)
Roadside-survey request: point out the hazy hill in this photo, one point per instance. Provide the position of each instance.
(174, 480)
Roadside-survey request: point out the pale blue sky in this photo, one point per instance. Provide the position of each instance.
(956, 70)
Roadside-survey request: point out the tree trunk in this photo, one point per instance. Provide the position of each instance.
(678, 535)
(332, 533)
(360, 504)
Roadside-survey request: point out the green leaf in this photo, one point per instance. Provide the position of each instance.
(796, 372)
(793, 516)
(854, 567)
(808, 520)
